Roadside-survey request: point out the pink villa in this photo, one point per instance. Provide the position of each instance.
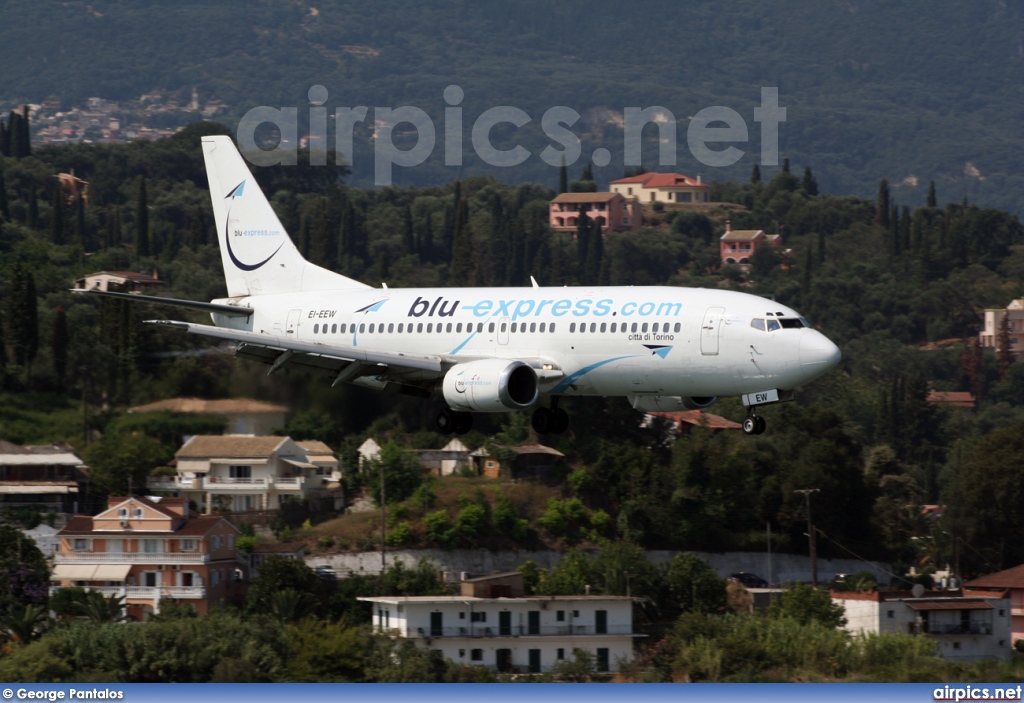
(663, 188)
(738, 246)
(610, 210)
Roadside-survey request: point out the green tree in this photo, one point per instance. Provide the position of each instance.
(59, 346)
(142, 240)
(277, 574)
(5, 213)
(690, 584)
(932, 201)
(809, 185)
(804, 603)
(24, 575)
(326, 651)
(882, 204)
(755, 174)
(57, 215)
(402, 474)
(120, 463)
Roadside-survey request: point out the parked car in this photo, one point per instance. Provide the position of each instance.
(325, 571)
(749, 580)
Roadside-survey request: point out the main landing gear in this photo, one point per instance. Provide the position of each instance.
(449, 421)
(551, 420)
(753, 423)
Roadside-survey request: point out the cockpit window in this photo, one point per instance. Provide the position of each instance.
(792, 322)
(757, 323)
(773, 325)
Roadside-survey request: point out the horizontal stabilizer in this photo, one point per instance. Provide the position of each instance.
(231, 310)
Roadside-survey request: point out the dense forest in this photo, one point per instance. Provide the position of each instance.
(900, 290)
(913, 92)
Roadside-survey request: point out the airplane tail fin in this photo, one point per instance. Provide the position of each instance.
(258, 256)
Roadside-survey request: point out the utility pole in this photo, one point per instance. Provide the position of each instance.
(810, 532)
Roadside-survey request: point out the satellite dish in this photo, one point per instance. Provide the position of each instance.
(918, 590)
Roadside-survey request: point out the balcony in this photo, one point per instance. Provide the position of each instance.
(221, 483)
(479, 630)
(974, 628)
(145, 592)
(130, 558)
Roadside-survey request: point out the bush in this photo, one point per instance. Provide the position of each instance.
(400, 535)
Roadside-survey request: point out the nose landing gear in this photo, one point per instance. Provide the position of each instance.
(754, 424)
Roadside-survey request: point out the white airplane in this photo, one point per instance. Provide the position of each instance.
(492, 349)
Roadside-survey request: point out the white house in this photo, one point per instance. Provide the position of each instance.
(502, 629)
(662, 188)
(244, 472)
(971, 626)
(989, 336)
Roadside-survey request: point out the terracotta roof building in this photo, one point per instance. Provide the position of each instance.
(663, 188)
(244, 415)
(149, 551)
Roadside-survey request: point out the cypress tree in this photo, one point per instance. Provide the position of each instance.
(59, 346)
(33, 209)
(882, 206)
(785, 165)
(809, 185)
(821, 247)
(80, 228)
(755, 174)
(1004, 346)
(408, 233)
(595, 254)
(461, 268)
(582, 243)
(905, 227)
(25, 135)
(563, 178)
(142, 247)
(57, 216)
(5, 214)
(931, 202)
(5, 139)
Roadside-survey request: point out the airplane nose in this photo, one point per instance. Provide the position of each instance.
(816, 348)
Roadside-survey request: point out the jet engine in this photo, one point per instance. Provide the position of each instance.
(490, 386)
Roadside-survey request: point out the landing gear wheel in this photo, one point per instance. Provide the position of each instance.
(761, 425)
(463, 423)
(559, 421)
(446, 421)
(542, 420)
(750, 424)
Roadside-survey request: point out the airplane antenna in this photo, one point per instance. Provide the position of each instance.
(534, 282)
(384, 285)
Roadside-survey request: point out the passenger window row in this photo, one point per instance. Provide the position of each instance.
(516, 327)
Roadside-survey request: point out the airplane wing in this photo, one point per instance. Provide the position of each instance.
(230, 310)
(346, 362)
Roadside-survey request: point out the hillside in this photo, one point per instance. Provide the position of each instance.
(912, 92)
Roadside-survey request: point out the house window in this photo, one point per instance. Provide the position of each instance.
(462, 653)
(890, 614)
(560, 654)
(478, 617)
(138, 512)
(560, 617)
(956, 645)
(149, 579)
(1002, 613)
(477, 655)
(152, 546)
(214, 578)
(240, 471)
(123, 512)
(575, 613)
(462, 616)
(188, 545)
(81, 545)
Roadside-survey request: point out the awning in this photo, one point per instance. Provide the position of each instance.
(301, 464)
(73, 572)
(111, 572)
(949, 605)
(39, 488)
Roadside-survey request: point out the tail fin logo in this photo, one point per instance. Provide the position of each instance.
(236, 192)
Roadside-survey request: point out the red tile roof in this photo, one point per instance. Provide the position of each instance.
(1007, 578)
(958, 398)
(663, 180)
(81, 525)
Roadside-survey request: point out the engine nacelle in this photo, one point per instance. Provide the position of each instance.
(490, 386)
(670, 403)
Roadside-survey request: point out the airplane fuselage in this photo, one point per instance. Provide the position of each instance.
(628, 341)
